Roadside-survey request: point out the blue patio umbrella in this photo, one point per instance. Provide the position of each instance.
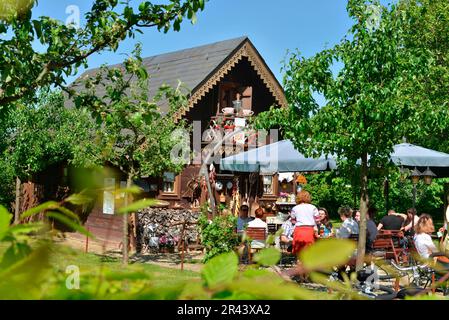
(276, 157)
(409, 155)
(283, 157)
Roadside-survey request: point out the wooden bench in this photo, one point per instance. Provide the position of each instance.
(255, 233)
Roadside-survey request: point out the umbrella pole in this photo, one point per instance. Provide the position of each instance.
(414, 204)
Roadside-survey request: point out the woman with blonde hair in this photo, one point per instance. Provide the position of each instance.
(424, 244)
(305, 227)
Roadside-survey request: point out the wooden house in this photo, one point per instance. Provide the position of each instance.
(217, 74)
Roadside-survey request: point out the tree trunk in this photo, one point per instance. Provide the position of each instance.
(125, 222)
(17, 204)
(364, 202)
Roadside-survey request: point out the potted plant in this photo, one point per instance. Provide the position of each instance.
(229, 124)
(167, 244)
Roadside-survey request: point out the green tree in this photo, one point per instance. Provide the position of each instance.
(427, 28)
(43, 134)
(66, 48)
(136, 137)
(366, 110)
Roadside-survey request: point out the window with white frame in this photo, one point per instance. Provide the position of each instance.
(267, 184)
(108, 196)
(168, 182)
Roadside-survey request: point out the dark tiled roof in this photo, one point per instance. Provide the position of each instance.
(190, 66)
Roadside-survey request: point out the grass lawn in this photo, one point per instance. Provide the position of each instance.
(63, 256)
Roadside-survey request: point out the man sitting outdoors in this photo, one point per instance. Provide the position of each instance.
(349, 226)
(258, 223)
(287, 232)
(391, 221)
(243, 218)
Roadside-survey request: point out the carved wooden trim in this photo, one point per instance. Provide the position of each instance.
(248, 51)
(266, 76)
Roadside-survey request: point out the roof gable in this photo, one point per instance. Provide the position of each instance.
(199, 69)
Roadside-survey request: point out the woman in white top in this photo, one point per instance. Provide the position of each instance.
(424, 244)
(423, 241)
(305, 227)
(258, 223)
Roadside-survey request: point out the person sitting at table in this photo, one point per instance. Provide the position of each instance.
(408, 221)
(424, 244)
(324, 225)
(258, 223)
(391, 221)
(371, 229)
(268, 212)
(243, 219)
(357, 215)
(288, 227)
(349, 226)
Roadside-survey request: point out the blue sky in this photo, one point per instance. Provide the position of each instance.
(272, 26)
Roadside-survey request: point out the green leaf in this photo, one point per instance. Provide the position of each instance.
(5, 220)
(220, 270)
(131, 190)
(69, 213)
(37, 28)
(268, 257)
(39, 208)
(16, 252)
(63, 219)
(201, 4)
(78, 199)
(26, 228)
(141, 204)
(327, 253)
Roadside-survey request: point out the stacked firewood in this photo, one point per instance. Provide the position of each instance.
(154, 223)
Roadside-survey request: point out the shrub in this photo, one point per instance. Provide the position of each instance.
(218, 235)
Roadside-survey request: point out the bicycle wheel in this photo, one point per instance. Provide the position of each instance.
(408, 292)
(380, 293)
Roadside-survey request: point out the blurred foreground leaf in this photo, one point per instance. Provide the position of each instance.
(45, 206)
(327, 253)
(78, 199)
(75, 226)
(135, 206)
(5, 219)
(268, 257)
(220, 270)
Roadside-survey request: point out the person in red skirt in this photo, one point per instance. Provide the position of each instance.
(305, 227)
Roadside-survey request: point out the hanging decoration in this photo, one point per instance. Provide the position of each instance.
(300, 179)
